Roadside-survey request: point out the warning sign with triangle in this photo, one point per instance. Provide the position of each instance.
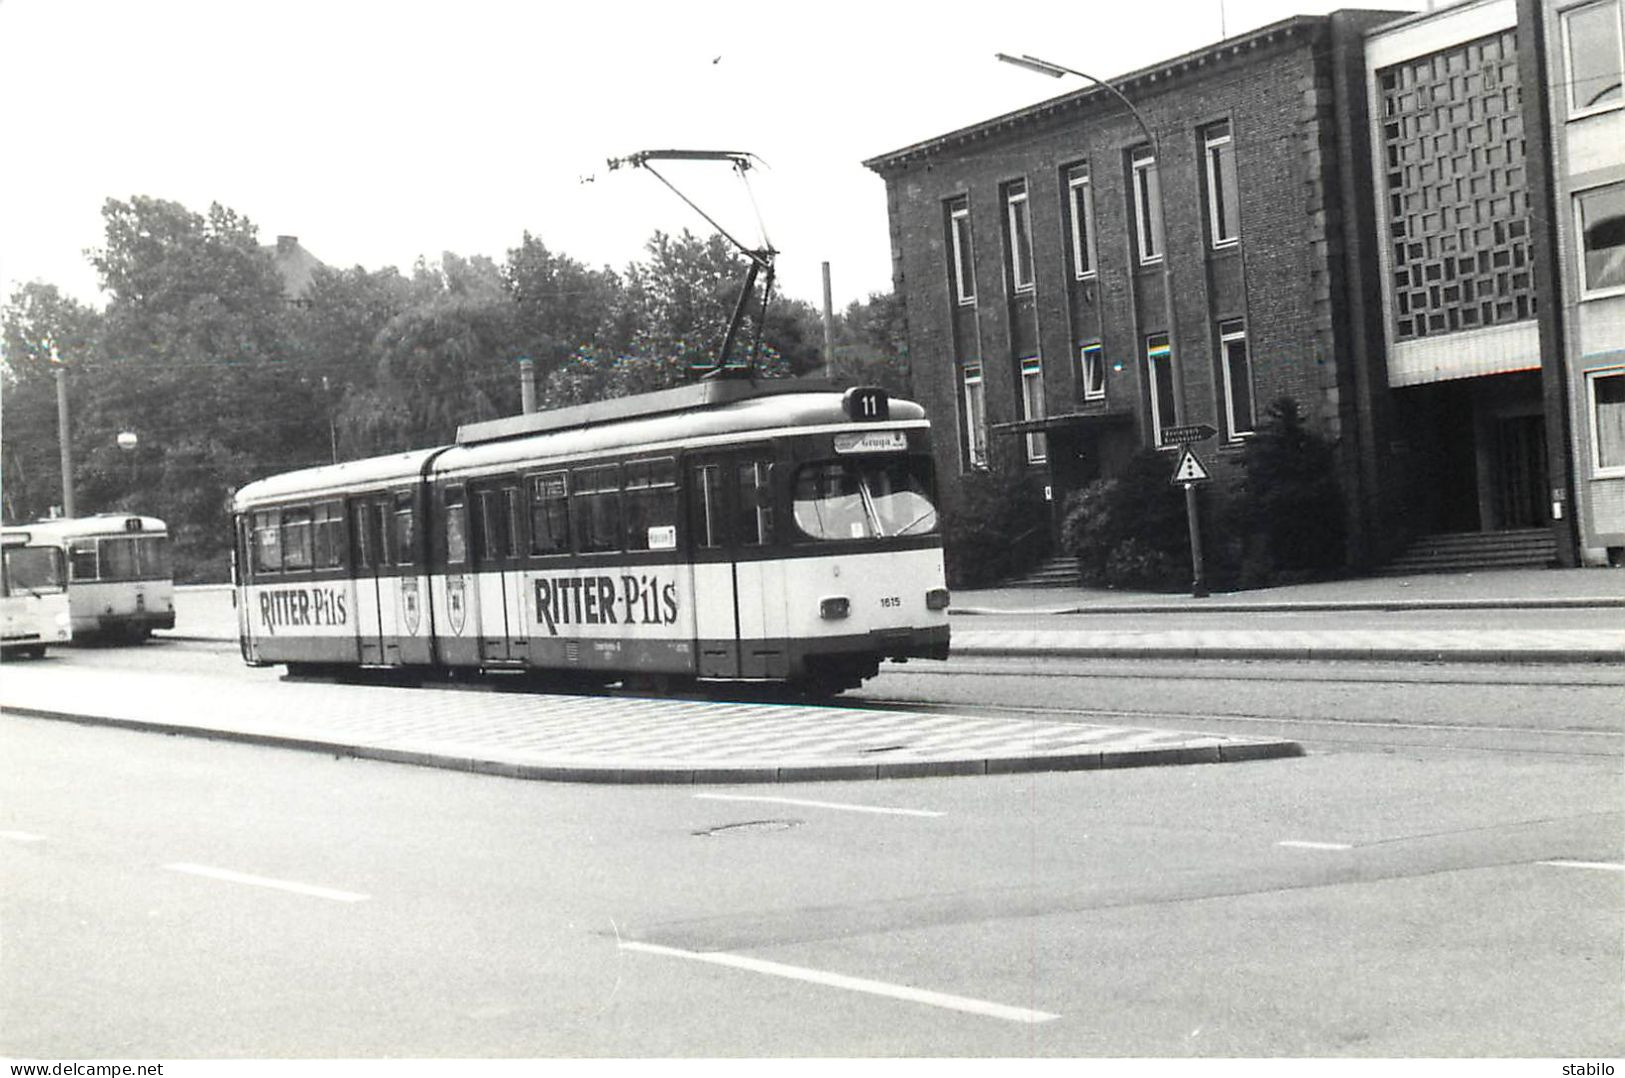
(1190, 469)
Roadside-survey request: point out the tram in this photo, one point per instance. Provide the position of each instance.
(33, 595)
(726, 530)
(120, 573)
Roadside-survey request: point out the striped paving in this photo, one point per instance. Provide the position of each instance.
(599, 739)
(1486, 645)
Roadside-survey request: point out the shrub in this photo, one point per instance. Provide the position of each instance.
(1290, 503)
(1131, 530)
(995, 528)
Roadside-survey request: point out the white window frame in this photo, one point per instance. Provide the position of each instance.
(1586, 291)
(1215, 147)
(1234, 331)
(1568, 82)
(1147, 192)
(1018, 218)
(975, 400)
(1032, 407)
(963, 266)
(1598, 469)
(1097, 391)
(1159, 351)
(1080, 196)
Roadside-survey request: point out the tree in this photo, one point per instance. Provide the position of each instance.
(561, 306)
(38, 322)
(1290, 498)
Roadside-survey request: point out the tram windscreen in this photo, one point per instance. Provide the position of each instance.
(32, 569)
(864, 499)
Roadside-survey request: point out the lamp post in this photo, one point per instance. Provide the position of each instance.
(1055, 71)
(64, 445)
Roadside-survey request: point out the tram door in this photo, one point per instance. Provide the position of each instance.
(372, 558)
(739, 587)
(499, 603)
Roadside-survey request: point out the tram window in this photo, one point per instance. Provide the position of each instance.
(596, 499)
(755, 503)
(651, 504)
(706, 506)
(497, 523)
(861, 500)
(327, 525)
(550, 514)
(296, 545)
(405, 530)
(82, 560)
(456, 527)
(268, 541)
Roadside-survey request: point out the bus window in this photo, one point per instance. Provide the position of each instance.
(596, 498)
(755, 503)
(456, 527)
(327, 524)
(155, 554)
(268, 541)
(296, 546)
(651, 504)
(706, 506)
(550, 513)
(405, 530)
(82, 560)
(32, 569)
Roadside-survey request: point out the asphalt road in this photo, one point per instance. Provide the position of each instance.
(1460, 894)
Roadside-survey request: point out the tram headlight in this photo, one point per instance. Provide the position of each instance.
(834, 608)
(936, 599)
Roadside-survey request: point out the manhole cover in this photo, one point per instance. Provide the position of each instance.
(747, 828)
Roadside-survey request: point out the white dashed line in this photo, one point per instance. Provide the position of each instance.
(1606, 866)
(265, 881)
(21, 836)
(853, 984)
(1297, 845)
(821, 804)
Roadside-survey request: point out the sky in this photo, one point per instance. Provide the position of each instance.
(379, 133)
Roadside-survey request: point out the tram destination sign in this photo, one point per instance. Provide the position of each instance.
(1195, 432)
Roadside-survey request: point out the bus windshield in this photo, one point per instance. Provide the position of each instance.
(864, 498)
(32, 569)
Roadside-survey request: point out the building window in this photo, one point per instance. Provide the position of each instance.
(1595, 57)
(1607, 392)
(1032, 406)
(964, 257)
(1147, 206)
(1159, 362)
(975, 417)
(1020, 238)
(1238, 379)
(1092, 372)
(1600, 218)
(1223, 212)
(1080, 205)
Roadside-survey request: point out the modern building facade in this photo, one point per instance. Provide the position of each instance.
(1577, 171)
(1385, 216)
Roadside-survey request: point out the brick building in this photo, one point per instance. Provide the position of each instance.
(1076, 282)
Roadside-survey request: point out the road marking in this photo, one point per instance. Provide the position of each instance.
(21, 836)
(822, 804)
(266, 881)
(1297, 845)
(854, 984)
(1606, 866)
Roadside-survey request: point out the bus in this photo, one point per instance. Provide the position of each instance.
(722, 531)
(120, 573)
(33, 595)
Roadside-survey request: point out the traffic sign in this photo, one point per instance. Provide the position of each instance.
(1190, 469)
(1195, 432)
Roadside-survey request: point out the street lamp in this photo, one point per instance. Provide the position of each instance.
(1175, 364)
(1055, 71)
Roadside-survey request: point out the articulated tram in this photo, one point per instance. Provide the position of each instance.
(719, 531)
(121, 579)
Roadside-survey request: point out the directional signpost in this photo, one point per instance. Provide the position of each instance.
(1188, 473)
